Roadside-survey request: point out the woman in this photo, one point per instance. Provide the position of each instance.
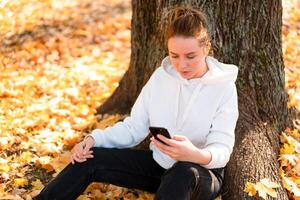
(194, 97)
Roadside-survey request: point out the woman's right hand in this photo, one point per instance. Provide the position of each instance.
(81, 151)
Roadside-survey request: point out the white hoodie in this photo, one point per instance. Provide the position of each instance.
(205, 110)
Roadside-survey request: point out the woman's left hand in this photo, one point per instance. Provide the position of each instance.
(179, 148)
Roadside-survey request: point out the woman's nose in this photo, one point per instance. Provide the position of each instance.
(182, 64)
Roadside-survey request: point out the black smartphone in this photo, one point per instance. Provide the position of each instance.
(159, 130)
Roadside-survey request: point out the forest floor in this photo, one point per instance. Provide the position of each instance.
(60, 60)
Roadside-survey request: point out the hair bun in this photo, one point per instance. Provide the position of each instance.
(188, 22)
(180, 11)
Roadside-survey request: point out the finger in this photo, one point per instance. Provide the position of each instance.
(72, 160)
(159, 147)
(86, 148)
(78, 153)
(78, 149)
(79, 146)
(88, 156)
(75, 159)
(165, 148)
(179, 137)
(81, 150)
(168, 141)
(82, 158)
(79, 159)
(88, 153)
(79, 156)
(151, 139)
(170, 154)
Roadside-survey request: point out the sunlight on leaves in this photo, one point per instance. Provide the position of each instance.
(263, 188)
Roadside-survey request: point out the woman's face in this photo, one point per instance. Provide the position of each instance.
(187, 56)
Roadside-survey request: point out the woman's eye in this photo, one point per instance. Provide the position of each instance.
(190, 57)
(174, 56)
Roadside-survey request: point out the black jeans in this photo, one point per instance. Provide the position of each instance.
(135, 169)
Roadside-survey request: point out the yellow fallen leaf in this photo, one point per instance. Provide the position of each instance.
(4, 141)
(83, 110)
(287, 149)
(26, 156)
(20, 182)
(33, 193)
(83, 197)
(268, 183)
(97, 194)
(61, 162)
(44, 162)
(288, 159)
(270, 191)
(93, 186)
(218, 198)
(264, 187)
(4, 167)
(261, 190)
(11, 197)
(291, 186)
(296, 179)
(37, 185)
(250, 189)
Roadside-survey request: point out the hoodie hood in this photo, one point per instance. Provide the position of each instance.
(217, 72)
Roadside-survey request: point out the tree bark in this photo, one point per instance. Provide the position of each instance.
(245, 33)
(147, 51)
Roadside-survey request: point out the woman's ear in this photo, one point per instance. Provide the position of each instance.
(206, 51)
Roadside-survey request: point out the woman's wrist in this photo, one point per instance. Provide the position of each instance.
(202, 157)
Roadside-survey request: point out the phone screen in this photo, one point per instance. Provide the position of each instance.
(159, 130)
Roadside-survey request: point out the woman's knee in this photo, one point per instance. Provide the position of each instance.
(193, 175)
(100, 151)
(99, 156)
(104, 157)
(89, 166)
(191, 170)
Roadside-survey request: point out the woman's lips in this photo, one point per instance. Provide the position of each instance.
(185, 72)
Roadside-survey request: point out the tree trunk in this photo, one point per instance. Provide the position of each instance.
(245, 33)
(147, 51)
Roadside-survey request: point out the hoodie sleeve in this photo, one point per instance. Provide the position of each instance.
(220, 140)
(129, 132)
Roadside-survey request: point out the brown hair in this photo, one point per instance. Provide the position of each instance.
(188, 22)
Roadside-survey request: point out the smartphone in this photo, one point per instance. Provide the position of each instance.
(159, 130)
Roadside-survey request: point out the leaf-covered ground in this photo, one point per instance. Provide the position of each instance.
(290, 139)
(59, 60)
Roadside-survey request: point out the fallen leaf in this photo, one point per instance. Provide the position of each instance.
(20, 182)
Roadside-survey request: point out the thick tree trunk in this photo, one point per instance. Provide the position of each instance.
(245, 33)
(147, 51)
